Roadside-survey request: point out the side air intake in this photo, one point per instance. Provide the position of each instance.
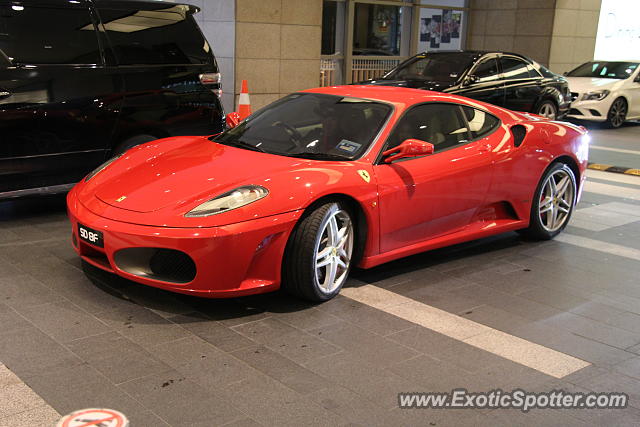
(518, 132)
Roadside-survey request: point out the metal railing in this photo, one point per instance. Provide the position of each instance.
(362, 68)
(371, 67)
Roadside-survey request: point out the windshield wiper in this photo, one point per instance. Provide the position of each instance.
(320, 156)
(243, 144)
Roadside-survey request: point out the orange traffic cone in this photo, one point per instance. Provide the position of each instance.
(244, 104)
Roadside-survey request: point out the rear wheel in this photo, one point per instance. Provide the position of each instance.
(617, 113)
(319, 252)
(548, 109)
(553, 204)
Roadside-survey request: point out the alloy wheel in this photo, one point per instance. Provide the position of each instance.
(547, 110)
(556, 200)
(334, 247)
(618, 113)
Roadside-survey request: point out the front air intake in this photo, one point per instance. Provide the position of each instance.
(165, 265)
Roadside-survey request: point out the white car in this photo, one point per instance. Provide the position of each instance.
(605, 91)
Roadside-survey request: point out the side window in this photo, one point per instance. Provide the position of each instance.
(513, 68)
(43, 35)
(155, 37)
(487, 71)
(480, 122)
(532, 71)
(440, 124)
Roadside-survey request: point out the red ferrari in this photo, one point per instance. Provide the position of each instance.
(321, 181)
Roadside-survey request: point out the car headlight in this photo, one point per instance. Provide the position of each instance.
(597, 95)
(233, 199)
(100, 168)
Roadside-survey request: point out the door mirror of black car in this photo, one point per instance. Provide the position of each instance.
(408, 148)
(471, 79)
(232, 120)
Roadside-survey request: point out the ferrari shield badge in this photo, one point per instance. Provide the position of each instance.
(364, 175)
(119, 199)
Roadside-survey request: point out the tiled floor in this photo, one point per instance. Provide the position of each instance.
(164, 359)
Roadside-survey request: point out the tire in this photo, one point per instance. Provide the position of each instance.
(320, 232)
(560, 203)
(617, 114)
(130, 143)
(547, 109)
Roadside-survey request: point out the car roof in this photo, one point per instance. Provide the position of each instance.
(475, 54)
(393, 94)
(137, 4)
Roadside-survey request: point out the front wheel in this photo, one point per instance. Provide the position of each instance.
(617, 113)
(553, 203)
(318, 256)
(548, 109)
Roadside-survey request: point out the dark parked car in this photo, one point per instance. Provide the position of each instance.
(82, 81)
(505, 79)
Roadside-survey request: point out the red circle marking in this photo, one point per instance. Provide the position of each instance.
(109, 415)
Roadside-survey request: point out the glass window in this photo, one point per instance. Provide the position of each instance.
(326, 127)
(487, 71)
(438, 123)
(441, 67)
(480, 122)
(377, 30)
(38, 35)
(514, 68)
(162, 36)
(609, 70)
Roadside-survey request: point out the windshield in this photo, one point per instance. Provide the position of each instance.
(309, 125)
(606, 70)
(439, 68)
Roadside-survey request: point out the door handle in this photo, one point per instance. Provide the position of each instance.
(4, 94)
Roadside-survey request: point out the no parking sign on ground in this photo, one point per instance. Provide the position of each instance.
(94, 418)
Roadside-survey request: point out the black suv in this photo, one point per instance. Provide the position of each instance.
(505, 79)
(81, 81)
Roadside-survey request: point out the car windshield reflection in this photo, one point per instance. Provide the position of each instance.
(313, 126)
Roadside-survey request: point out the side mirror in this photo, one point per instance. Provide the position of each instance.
(565, 73)
(408, 148)
(471, 79)
(232, 120)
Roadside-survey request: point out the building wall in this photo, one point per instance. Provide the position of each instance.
(574, 33)
(522, 26)
(560, 34)
(277, 47)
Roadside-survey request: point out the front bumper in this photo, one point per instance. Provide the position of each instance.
(595, 111)
(233, 260)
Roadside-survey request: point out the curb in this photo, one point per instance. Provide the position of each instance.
(615, 169)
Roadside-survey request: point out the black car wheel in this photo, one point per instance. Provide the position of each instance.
(547, 109)
(617, 113)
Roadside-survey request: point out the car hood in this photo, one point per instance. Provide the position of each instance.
(412, 84)
(157, 183)
(589, 84)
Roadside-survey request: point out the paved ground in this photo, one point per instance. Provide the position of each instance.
(164, 359)
(616, 147)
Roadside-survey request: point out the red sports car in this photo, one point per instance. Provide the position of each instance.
(321, 181)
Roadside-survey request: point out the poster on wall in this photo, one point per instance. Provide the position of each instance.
(436, 28)
(440, 29)
(425, 29)
(456, 19)
(445, 36)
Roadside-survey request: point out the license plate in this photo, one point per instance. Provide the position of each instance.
(91, 236)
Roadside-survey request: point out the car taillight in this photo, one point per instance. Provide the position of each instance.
(210, 78)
